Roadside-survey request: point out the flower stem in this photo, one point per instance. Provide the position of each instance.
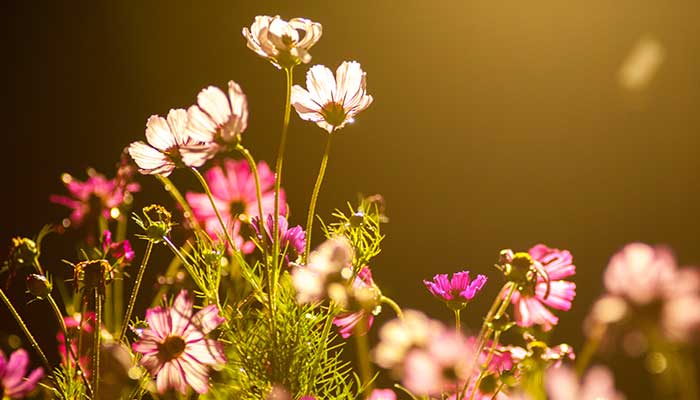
(177, 196)
(363, 358)
(590, 347)
(205, 186)
(288, 72)
(314, 196)
(135, 292)
(25, 330)
(458, 320)
(96, 339)
(393, 305)
(485, 366)
(258, 192)
(70, 354)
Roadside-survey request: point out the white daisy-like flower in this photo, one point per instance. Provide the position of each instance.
(217, 117)
(332, 101)
(280, 41)
(169, 146)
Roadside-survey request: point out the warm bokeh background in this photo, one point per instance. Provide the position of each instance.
(495, 124)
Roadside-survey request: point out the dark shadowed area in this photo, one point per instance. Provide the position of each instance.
(494, 125)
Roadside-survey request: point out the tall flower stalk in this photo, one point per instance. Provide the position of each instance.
(135, 291)
(25, 330)
(314, 195)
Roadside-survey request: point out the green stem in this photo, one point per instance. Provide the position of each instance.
(590, 347)
(458, 320)
(96, 341)
(393, 305)
(135, 292)
(363, 357)
(485, 366)
(314, 196)
(258, 191)
(180, 199)
(25, 330)
(288, 72)
(70, 354)
(205, 186)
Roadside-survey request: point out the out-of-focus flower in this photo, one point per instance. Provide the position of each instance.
(217, 117)
(641, 64)
(292, 240)
(79, 329)
(360, 321)
(175, 349)
(440, 367)
(119, 250)
(94, 198)
(397, 337)
(455, 292)
(598, 383)
(326, 265)
(280, 41)
(233, 188)
(535, 291)
(169, 146)
(540, 352)
(331, 102)
(382, 394)
(646, 277)
(13, 383)
(115, 381)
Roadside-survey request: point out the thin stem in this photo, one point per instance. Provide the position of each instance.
(590, 347)
(177, 196)
(258, 192)
(25, 330)
(363, 357)
(70, 354)
(485, 366)
(205, 186)
(288, 72)
(458, 320)
(96, 339)
(314, 196)
(135, 291)
(394, 306)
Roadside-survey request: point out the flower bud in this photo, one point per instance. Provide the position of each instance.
(38, 285)
(93, 274)
(158, 222)
(488, 384)
(22, 252)
(357, 219)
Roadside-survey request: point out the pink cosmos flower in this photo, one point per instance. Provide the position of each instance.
(169, 146)
(13, 383)
(279, 41)
(382, 394)
(597, 384)
(233, 188)
(93, 198)
(175, 350)
(76, 328)
(292, 240)
(347, 322)
(456, 293)
(331, 102)
(217, 117)
(642, 275)
(557, 293)
(119, 250)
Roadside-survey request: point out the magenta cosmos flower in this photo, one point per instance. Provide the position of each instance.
(13, 383)
(455, 292)
(169, 146)
(218, 117)
(292, 240)
(280, 41)
(119, 250)
(94, 198)
(358, 321)
(233, 188)
(382, 394)
(332, 101)
(175, 349)
(530, 300)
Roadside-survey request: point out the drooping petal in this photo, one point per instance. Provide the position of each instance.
(214, 102)
(158, 133)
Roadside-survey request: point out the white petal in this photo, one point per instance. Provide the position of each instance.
(150, 160)
(321, 84)
(214, 102)
(177, 120)
(158, 133)
(200, 125)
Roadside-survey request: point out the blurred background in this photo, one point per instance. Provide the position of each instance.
(495, 125)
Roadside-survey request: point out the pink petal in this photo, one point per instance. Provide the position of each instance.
(181, 312)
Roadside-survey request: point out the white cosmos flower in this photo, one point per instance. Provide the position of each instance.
(280, 41)
(169, 146)
(331, 102)
(217, 117)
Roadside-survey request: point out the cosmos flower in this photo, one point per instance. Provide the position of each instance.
(169, 146)
(175, 350)
(292, 240)
(458, 291)
(280, 41)
(94, 198)
(532, 297)
(382, 394)
(398, 336)
(362, 288)
(217, 117)
(325, 265)
(233, 188)
(119, 250)
(331, 102)
(13, 383)
(77, 327)
(598, 383)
